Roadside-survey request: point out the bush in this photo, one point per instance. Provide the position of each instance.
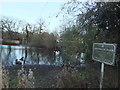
(70, 79)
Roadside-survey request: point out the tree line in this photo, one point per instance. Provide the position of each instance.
(27, 34)
(95, 22)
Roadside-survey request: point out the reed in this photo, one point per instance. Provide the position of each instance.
(5, 78)
(30, 79)
(25, 80)
(21, 78)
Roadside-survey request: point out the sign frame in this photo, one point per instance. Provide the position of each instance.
(105, 44)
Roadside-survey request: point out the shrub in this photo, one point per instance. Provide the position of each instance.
(70, 79)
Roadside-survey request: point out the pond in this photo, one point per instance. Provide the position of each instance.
(32, 55)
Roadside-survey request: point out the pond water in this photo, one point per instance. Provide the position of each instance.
(31, 55)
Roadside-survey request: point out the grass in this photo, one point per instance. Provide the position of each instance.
(13, 83)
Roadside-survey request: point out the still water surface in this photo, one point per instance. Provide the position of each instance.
(31, 55)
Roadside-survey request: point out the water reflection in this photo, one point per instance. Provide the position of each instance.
(31, 55)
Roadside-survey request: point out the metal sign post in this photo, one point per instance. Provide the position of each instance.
(102, 73)
(104, 53)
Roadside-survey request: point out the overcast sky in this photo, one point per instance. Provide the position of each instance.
(32, 11)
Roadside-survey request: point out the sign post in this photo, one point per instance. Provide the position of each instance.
(104, 53)
(102, 73)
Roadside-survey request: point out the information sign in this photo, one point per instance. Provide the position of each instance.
(104, 53)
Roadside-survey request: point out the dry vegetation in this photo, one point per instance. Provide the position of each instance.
(69, 78)
(38, 76)
(5, 79)
(24, 80)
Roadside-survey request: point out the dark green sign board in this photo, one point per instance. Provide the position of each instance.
(104, 53)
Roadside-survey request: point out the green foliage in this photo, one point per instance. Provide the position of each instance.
(76, 40)
(70, 45)
(84, 75)
(96, 22)
(13, 83)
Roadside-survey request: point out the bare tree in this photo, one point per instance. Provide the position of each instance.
(10, 27)
(40, 26)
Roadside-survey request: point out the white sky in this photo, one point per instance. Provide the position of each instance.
(32, 11)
